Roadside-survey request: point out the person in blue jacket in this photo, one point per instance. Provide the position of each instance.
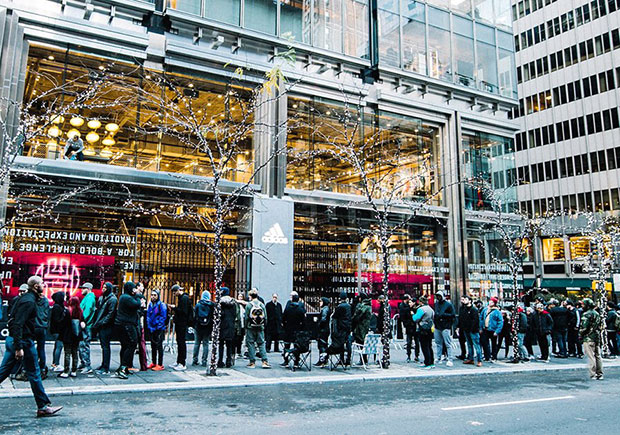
(491, 324)
(156, 314)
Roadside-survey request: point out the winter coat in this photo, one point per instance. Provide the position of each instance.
(106, 313)
(23, 316)
(227, 323)
(183, 311)
(43, 313)
(57, 312)
(203, 306)
(156, 314)
(469, 319)
(491, 319)
(590, 328)
(324, 319)
(340, 325)
(361, 320)
(293, 320)
(423, 316)
(128, 310)
(560, 318)
(274, 314)
(522, 326)
(404, 313)
(544, 323)
(444, 315)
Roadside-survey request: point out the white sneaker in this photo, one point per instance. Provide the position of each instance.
(179, 367)
(174, 366)
(58, 369)
(449, 364)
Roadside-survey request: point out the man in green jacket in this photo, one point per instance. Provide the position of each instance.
(590, 333)
(361, 321)
(88, 306)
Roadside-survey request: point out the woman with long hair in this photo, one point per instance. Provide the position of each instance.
(72, 335)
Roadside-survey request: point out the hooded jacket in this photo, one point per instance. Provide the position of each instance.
(444, 314)
(522, 326)
(229, 313)
(293, 321)
(57, 312)
(361, 320)
(23, 316)
(89, 307)
(204, 304)
(560, 318)
(495, 320)
(104, 317)
(406, 317)
(156, 314)
(325, 315)
(128, 306)
(43, 313)
(183, 311)
(341, 325)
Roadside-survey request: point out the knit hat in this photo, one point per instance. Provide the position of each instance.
(343, 296)
(206, 296)
(225, 291)
(494, 299)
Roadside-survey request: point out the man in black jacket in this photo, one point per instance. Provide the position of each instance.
(182, 319)
(543, 325)
(574, 319)
(559, 315)
(340, 331)
(469, 326)
(406, 319)
(20, 345)
(293, 322)
(104, 325)
(126, 322)
(274, 324)
(444, 319)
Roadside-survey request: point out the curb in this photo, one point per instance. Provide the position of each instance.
(362, 377)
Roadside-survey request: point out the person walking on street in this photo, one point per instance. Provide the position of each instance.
(491, 324)
(88, 307)
(423, 316)
(559, 314)
(255, 319)
(156, 315)
(56, 317)
(182, 319)
(572, 334)
(406, 318)
(19, 345)
(274, 324)
(590, 333)
(323, 338)
(203, 327)
(104, 326)
(469, 326)
(444, 320)
(126, 324)
(544, 326)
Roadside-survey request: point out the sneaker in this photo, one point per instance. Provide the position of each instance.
(195, 363)
(266, 365)
(416, 359)
(449, 363)
(48, 411)
(121, 374)
(63, 375)
(479, 364)
(251, 365)
(150, 366)
(180, 368)
(429, 367)
(21, 376)
(408, 360)
(174, 365)
(544, 360)
(157, 368)
(86, 371)
(58, 369)
(133, 369)
(73, 374)
(468, 361)
(102, 372)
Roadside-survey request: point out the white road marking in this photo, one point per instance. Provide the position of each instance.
(516, 402)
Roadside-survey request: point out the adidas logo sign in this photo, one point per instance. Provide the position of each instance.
(275, 235)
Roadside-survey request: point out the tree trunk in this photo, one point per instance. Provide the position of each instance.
(385, 337)
(219, 272)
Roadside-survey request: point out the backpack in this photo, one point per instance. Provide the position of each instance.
(204, 314)
(257, 315)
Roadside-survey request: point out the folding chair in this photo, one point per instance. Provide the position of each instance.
(305, 360)
(371, 346)
(335, 360)
(303, 348)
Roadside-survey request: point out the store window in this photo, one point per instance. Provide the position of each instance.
(553, 249)
(579, 247)
(189, 6)
(260, 15)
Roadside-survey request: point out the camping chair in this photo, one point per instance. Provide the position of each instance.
(371, 346)
(335, 360)
(303, 349)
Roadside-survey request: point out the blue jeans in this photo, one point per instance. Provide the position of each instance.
(522, 349)
(560, 337)
(201, 338)
(30, 365)
(473, 344)
(57, 350)
(84, 348)
(40, 335)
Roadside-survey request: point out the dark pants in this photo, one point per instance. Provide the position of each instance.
(463, 344)
(30, 364)
(238, 342)
(323, 341)
(506, 339)
(57, 351)
(229, 345)
(105, 336)
(489, 343)
(40, 335)
(573, 344)
(181, 333)
(71, 355)
(272, 336)
(426, 343)
(128, 336)
(560, 337)
(409, 333)
(612, 342)
(142, 350)
(157, 347)
(543, 343)
(528, 342)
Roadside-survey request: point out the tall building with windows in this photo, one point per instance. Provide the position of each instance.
(567, 153)
(436, 77)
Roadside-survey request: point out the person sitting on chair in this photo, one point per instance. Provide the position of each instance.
(340, 326)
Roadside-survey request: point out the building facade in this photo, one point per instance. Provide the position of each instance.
(566, 152)
(437, 75)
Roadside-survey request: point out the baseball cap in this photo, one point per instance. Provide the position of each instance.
(87, 285)
(23, 288)
(176, 288)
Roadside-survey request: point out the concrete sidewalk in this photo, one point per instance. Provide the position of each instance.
(241, 376)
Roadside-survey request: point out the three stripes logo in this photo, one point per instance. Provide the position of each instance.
(275, 235)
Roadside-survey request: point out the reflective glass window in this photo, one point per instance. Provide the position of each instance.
(260, 15)
(226, 11)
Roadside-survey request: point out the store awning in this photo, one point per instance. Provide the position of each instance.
(560, 283)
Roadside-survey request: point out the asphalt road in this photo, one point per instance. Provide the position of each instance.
(550, 403)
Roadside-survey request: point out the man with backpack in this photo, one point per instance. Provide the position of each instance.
(156, 322)
(255, 320)
(203, 327)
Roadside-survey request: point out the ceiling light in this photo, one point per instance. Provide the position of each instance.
(101, 67)
(58, 119)
(105, 153)
(73, 132)
(76, 121)
(108, 141)
(54, 131)
(94, 124)
(92, 137)
(50, 57)
(112, 127)
(89, 151)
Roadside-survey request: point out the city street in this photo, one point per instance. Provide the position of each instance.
(556, 402)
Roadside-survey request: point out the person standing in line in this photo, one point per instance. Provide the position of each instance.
(182, 319)
(230, 311)
(572, 334)
(469, 326)
(522, 328)
(530, 334)
(126, 325)
(360, 322)
(544, 326)
(294, 322)
(590, 332)
(423, 316)
(444, 319)
(406, 319)
(56, 317)
(20, 345)
(559, 314)
(323, 338)
(491, 324)
(73, 331)
(141, 340)
(274, 324)
(203, 327)
(255, 319)
(156, 314)
(240, 331)
(611, 320)
(104, 325)
(88, 307)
